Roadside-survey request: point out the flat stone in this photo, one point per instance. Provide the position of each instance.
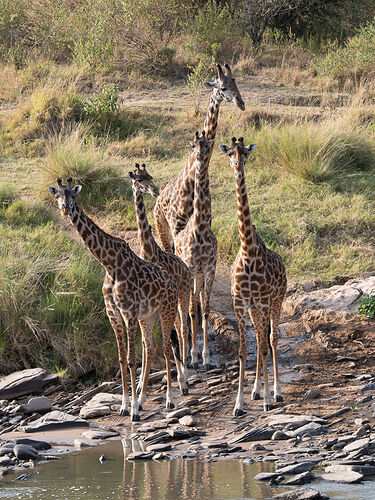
(255, 434)
(294, 421)
(25, 452)
(140, 455)
(37, 405)
(4, 461)
(366, 470)
(357, 445)
(38, 445)
(266, 476)
(310, 429)
(215, 444)
(94, 411)
(301, 494)
(181, 412)
(368, 387)
(296, 468)
(303, 478)
(311, 394)
(188, 421)
(347, 477)
(25, 382)
(99, 434)
(4, 471)
(159, 447)
(83, 443)
(279, 435)
(158, 437)
(180, 433)
(55, 420)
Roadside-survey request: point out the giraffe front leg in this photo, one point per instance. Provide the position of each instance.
(255, 395)
(131, 327)
(183, 309)
(205, 304)
(141, 376)
(149, 350)
(274, 339)
(193, 310)
(167, 318)
(115, 319)
(240, 312)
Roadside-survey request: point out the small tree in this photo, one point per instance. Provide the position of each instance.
(258, 15)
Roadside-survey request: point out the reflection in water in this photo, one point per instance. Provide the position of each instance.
(81, 475)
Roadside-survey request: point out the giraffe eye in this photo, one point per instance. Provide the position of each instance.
(223, 89)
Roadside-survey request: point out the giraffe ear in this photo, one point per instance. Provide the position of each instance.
(52, 190)
(224, 149)
(192, 144)
(250, 148)
(131, 175)
(76, 190)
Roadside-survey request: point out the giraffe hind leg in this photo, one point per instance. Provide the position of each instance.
(274, 339)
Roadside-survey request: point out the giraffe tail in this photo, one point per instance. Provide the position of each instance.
(175, 345)
(269, 336)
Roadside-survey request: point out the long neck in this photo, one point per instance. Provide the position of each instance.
(103, 246)
(210, 122)
(201, 208)
(145, 235)
(245, 226)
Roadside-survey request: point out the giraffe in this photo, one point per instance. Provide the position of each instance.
(258, 285)
(196, 245)
(134, 290)
(151, 251)
(175, 203)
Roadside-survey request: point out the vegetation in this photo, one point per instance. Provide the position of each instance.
(367, 306)
(65, 71)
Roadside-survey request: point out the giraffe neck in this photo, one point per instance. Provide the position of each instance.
(145, 235)
(103, 246)
(210, 122)
(245, 226)
(201, 208)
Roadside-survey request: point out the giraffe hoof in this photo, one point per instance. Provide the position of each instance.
(279, 399)
(124, 413)
(135, 417)
(207, 367)
(255, 396)
(268, 407)
(238, 412)
(185, 392)
(194, 366)
(169, 406)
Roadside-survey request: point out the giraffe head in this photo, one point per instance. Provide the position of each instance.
(65, 195)
(142, 180)
(225, 88)
(200, 146)
(237, 152)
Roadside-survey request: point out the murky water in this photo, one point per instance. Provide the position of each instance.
(81, 475)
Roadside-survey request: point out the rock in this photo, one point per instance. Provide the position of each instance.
(338, 412)
(303, 478)
(279, 435)
(294, 421)
(311, 394)
(347, 477)
(310, 429)
(301, 494)
(188, 421)
(25, 382)
(257, 447)
(25, 452)
(361, 421)
(103, 458)
(158, 437)
(255, 434)
(266, 476)
(179, 433)
(83, 443)
(37, 445)
(140, 455)
(215, 444)
(37, 405)
(368, 387)
(296, 468)
(181, 412)
(4, 461)
(357, 445)
(94, 411)
(366, 470)
(4, 471)
(55, 420)
(99, 434)
(159, 447)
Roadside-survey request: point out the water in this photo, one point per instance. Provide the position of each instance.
(81, 475)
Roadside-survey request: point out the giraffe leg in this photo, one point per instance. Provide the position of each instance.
(205, 305)
(258, 374)
(274, 338)
(115, 319)
(149, 350)
(262, 323)
(131, 327)
(139, 385)
(167, 319)
(183, 308)
(162, 228)
(193, 310)
(240, 311)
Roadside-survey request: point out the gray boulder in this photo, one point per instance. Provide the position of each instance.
(55, 420)
(25, 382)
(37, 445)
(296, 468)
(25, 452)
(37, 405)
(301, 494)
(347, 477)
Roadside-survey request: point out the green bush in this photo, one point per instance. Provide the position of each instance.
(367, 306)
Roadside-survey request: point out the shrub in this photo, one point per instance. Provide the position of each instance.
(102, 109)
(367, 306)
